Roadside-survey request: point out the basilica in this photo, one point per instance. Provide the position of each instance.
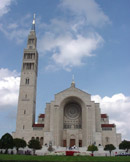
(71, 119)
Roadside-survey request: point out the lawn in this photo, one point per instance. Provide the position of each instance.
(20, 158)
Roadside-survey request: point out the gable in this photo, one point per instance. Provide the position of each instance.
(73, 91)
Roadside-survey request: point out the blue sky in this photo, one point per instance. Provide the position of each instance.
(87, 38)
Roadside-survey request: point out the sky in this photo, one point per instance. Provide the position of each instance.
(87, 38)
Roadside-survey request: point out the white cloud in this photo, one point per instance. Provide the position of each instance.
(16, 30)
(66, 41)
(9, 88)
(118, 109)
(70, 40)
(88, 9)
(4, 6)
(7, 73)
(14, 33)
(12, 26)
(67, 51)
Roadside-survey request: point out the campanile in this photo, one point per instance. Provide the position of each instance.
(28, 84)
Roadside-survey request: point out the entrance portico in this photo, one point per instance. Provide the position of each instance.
(72, 137)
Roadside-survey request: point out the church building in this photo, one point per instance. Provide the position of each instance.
(71, 119)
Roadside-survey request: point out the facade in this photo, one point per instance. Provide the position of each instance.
(71, 119)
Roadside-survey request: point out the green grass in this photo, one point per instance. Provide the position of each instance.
(20, 158)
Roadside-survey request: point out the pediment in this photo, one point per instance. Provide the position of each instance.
(73, 91)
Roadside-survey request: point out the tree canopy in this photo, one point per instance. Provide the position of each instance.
(34, 144)
(19, 143)
(0, 144)
(109, 148)
(7, 141)
(124, 145)
(92, 148)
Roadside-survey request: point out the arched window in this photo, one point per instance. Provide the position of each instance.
(27, 81)
(24, 111)
(107, 139)
(37, 138)
(26, 96)
(41, 140)
(72, 116)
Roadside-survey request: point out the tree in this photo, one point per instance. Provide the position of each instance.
(7, 142)
(92, 148)
(109, 148)
(0, 144)
(19, 143)
(34, 144)
(124, 145)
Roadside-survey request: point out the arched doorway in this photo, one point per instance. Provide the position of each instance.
(37, 138)
(80, 143)
(41, 141)
(72, 140)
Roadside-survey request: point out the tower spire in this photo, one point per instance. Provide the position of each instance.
(73, 79)
(73, 82)
(32, 39)
(33, 23)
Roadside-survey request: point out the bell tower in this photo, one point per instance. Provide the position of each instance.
(28, 85)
